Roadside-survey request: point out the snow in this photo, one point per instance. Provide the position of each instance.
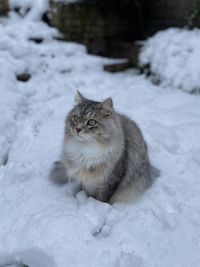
(43, 225)
(33, 9)
(172, 56)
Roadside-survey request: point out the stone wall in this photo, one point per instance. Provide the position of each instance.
(96, 24)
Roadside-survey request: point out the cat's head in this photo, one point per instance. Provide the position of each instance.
(91, 120)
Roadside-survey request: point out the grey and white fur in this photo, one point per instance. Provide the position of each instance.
(104, 151)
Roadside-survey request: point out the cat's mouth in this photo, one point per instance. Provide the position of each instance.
(83, 136)
(80, 134)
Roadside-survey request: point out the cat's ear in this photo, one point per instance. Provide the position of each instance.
(107, 107)
(79, 98)
(107, 104)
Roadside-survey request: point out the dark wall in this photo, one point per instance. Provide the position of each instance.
(98, 23)
(109, 27)
(3, 7)
(160, 14)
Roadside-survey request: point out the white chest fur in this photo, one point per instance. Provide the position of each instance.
(88, 162)
(86, 154)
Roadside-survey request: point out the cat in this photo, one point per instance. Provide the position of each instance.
(104, 151)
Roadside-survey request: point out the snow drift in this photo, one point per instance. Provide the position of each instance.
(173, 58)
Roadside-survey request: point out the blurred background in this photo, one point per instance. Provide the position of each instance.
(113, 28)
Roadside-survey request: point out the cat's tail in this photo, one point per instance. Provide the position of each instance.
(133, 191)
(58, 173)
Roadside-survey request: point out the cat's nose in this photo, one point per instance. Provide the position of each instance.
(78, 130)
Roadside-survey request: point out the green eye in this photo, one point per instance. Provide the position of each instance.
(75, 118)
(92, 122)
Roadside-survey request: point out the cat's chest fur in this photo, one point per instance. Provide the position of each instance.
(87, 162)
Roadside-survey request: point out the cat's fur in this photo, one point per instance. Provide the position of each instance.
(108, 159)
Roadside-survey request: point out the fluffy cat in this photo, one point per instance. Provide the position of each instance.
(104, 151)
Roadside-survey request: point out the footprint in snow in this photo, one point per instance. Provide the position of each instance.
(130, 260)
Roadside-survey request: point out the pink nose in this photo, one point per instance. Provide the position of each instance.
(78, 130)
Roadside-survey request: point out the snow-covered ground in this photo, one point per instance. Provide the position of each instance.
(43, 225)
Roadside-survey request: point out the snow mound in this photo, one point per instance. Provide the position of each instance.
(172, 57)
(35, 8)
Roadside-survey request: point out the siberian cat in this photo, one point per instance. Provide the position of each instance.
(104, 151)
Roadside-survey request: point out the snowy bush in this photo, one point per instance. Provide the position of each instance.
(173, 57)
(37, 7)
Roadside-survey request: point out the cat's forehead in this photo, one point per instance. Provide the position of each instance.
(87, 109)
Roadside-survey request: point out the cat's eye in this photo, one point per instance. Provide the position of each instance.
(91, 122)
(75, 118)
